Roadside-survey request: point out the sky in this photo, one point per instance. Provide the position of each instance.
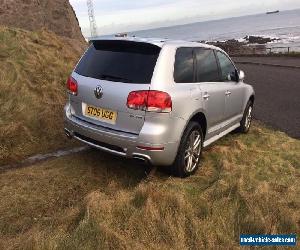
(117, 16)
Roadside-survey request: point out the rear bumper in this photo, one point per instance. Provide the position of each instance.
(120, 143)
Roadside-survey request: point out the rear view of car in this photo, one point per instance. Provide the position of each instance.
(106, 75)
(157, 101)
(109, 96)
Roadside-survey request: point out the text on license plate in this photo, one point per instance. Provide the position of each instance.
(101, 114)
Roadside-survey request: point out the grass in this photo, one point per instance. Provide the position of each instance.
(34, 67)
(92, 200)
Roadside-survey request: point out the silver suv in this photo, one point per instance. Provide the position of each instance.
(158, 101)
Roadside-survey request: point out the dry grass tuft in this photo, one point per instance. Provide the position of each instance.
(247, 184)
(34, 67)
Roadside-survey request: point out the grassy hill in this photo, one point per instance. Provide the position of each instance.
(34, 67)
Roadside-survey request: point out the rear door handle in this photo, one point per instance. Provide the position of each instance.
(227, 93)
(206, 96)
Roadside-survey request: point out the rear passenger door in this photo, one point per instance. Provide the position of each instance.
(234, 89)
(185, 92)
(213, 91)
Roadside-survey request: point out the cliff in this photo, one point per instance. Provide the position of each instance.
(57, 16)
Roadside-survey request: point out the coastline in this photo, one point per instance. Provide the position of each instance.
(283, 29)
(256, 46)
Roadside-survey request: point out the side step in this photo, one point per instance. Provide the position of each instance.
(217, 137)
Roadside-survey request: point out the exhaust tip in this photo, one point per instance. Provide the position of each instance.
(68, 134)
(142, 159)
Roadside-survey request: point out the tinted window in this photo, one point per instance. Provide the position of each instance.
(207, 67)
(227, 68)
(184, 66)
(119, 61)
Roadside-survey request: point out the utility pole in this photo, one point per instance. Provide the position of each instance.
(93, 25)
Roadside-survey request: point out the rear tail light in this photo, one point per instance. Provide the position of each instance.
(72, 86)
(150, 100)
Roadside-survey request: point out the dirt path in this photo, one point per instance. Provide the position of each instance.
(43, 157)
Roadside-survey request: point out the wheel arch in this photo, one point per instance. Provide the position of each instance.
(249, 96)
(252, 99)
(199, 117)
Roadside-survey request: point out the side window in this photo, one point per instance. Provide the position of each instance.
(228, 70)
(184, 66)
(207, 67)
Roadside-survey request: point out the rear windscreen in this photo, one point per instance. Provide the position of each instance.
(119, 61)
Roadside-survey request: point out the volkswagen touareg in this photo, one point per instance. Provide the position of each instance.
(158, 101)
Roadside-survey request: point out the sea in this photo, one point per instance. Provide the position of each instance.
(284, 26)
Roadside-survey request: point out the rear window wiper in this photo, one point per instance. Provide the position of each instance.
(115, 78)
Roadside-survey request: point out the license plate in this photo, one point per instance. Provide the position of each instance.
(101, 114)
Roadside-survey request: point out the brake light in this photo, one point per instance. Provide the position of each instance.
(150, 100)
(72, 86)
(137, 99)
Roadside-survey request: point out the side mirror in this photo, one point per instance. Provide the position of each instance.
(241, 76)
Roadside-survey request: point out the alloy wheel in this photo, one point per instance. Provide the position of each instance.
(193, 151)
(248, 118)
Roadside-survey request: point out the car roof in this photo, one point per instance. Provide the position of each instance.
(160, 42)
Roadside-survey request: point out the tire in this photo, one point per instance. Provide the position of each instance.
(247, 119)
(187, 161)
